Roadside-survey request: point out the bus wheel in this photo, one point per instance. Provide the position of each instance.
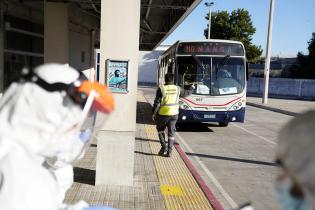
(223, 124)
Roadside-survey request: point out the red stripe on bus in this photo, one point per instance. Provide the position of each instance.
(212, 104)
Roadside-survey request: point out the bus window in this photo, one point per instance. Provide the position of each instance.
(228, 78)
(189, 73)
(210, 75)
(170, 68)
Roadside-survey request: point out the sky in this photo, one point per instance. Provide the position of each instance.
(294, 23)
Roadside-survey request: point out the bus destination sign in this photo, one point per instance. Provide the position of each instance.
(210, 48)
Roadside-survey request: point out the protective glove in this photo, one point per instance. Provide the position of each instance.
(99, 208)
(85, 135)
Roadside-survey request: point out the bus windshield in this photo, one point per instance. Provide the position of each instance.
(211, 75)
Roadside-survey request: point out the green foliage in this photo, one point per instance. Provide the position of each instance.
(235, 26)
(311, 49)
(306, 67)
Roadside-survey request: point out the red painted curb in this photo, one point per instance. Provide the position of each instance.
(212, 200)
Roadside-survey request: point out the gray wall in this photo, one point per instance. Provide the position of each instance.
(295, 88)
(148, 67)
(79, 43)
(68, 35)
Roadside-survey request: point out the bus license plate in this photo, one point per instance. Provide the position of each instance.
(211, 116)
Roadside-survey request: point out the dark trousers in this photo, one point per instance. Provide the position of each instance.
(169, 122)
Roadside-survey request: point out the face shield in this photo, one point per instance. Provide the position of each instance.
(98, 102)
(82, 102)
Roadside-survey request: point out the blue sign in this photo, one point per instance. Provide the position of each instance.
(117, 76)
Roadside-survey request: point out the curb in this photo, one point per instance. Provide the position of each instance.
(282, 97)
(281, 111)
(202, 184)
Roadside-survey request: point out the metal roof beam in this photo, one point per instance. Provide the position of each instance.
(152, 32)
(94, 7)
(166, 7)
(194, 4)
(146, 23)
(148, 10)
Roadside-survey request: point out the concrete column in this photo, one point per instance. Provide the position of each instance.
(1, 49)
(56, 29)
(120, 23)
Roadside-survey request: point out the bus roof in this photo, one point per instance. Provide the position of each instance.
(225, 44)
(208, 40)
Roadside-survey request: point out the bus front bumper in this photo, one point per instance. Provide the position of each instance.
(211, 116)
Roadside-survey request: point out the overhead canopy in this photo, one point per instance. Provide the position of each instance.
(159, 18)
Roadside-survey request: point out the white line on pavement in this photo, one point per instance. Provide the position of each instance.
(250, 132)
(227, 197)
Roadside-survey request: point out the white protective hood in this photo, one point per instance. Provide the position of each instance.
(42, 122)
(296, 148)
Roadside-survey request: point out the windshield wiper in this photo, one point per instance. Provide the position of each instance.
(199, 63)
(203, 69)
(226, 59)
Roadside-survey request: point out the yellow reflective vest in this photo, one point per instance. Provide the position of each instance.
(169, 104)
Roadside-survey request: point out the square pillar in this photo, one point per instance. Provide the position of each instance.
(120, 23)
(56, 30)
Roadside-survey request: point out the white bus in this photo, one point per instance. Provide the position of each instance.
(215, 73)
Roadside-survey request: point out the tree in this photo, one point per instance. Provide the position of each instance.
(235, 26)
(306, 67)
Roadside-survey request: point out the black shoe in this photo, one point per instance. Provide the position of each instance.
(168, 153)
(161, 152)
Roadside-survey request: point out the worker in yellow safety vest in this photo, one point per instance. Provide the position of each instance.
(165, 113)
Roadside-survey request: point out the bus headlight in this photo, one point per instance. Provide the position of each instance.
(236, 106)
(183, 105)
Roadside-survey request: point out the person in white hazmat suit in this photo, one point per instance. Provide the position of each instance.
(41, 122)
(295, 153)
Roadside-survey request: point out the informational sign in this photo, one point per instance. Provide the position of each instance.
(117, 75)
(210, 48)
(230, 90)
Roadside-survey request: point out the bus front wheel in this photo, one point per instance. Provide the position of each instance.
(223, 124)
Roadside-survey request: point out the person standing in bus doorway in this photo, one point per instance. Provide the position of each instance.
(165, 113)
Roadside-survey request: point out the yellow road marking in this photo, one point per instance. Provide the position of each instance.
(178, 187)
(171, 190)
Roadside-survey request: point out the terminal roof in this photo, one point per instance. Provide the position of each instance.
(158, 19)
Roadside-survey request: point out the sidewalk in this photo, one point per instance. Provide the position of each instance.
(284, 106)
(159, 182)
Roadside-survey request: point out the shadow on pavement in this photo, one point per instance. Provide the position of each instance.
(146, 153)
(193, 127)
(84, 176)
(148, 140)
(233, 159)
(144, 113)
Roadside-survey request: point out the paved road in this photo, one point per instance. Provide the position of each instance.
(236, 161)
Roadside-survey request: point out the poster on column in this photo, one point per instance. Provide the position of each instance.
(117, 74)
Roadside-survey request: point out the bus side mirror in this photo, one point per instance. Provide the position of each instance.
(246, 69)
